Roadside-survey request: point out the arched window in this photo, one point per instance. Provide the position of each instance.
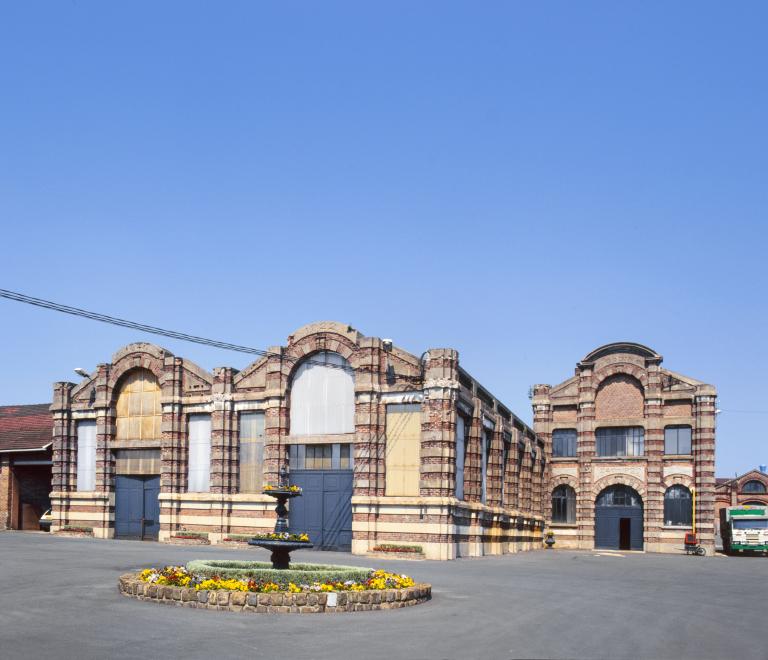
(753, 486)
(564, 504)
(323, 396)
(678, 506)
(619, 496)
(139, 414)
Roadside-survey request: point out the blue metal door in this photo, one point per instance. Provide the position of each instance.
(151, 508)
(608, 527)
(129, 506)
(325, 509)
(137, 508)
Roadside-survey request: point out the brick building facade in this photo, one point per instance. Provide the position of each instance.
(746, 489)
(405, 449)
(630, 446)
(25, 465)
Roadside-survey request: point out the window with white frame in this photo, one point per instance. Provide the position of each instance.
(487, 439)
(461, 428)
(323, 396)
(86, 455)
(199, 460)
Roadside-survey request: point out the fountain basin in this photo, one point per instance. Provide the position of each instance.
(281, 550)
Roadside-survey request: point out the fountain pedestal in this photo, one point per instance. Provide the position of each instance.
(281, 548)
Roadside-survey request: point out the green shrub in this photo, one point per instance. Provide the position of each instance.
(263, 571)
(194, 535)
(394, 547)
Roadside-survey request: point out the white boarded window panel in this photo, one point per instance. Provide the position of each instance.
(251, 451)
(459, 457)
(86, 456)
(199, 475)
(403, 463)
(323, 396)
(484, 461)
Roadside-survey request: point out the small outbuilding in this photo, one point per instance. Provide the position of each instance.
(25, 465)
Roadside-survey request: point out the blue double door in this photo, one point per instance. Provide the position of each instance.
(137, 507)
(325, 509)
(619, 527)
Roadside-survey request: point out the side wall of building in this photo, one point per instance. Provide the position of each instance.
(506, 517)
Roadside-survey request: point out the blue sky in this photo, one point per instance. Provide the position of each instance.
(520, 181)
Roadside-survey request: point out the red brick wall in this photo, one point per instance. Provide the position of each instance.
(619, 397)
(677, 409)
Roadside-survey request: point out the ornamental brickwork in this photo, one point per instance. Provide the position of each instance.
(500, 514)
(617, 386)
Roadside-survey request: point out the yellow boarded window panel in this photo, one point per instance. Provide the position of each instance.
(403, 449)
(139, 414)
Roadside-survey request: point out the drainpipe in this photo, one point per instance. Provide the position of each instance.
(693, 494)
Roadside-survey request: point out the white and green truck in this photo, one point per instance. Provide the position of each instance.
(744, 529)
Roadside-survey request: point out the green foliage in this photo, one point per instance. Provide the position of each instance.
(394, 547)
(263, 571)
(238, 537)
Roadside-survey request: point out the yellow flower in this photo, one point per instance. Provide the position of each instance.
(292, 588)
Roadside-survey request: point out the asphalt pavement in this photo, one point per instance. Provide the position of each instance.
(59, 599)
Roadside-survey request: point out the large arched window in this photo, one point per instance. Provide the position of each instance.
(564, 504)
(619, 495)
(678, 506)
(139, 414)
(323, 396)
(753, 486)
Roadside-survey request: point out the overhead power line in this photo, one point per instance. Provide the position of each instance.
(173, 334)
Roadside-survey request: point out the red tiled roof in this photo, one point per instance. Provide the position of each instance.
(25, 427)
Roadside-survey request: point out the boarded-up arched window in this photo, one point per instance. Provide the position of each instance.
(323, 396)
(139, 415)
(619, 397)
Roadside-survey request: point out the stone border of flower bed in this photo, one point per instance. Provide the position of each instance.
(275, 603)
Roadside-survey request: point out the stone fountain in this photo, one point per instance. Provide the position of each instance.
(281, 548)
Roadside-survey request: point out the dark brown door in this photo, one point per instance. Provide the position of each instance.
(625, 534)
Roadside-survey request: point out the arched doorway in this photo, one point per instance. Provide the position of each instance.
(619, 519)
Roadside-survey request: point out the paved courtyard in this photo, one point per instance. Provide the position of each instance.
(59, 599)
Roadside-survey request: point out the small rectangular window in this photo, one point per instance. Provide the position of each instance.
(318, 457)
(564, 442)
(345, 457)
(251, 451)
(86, 455)
(199, 462)
(677, 440)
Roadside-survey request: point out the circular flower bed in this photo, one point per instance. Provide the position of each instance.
(272, 580)
(260, 571)
(268, 590)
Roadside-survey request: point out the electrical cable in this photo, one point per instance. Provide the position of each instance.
(173, 334)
